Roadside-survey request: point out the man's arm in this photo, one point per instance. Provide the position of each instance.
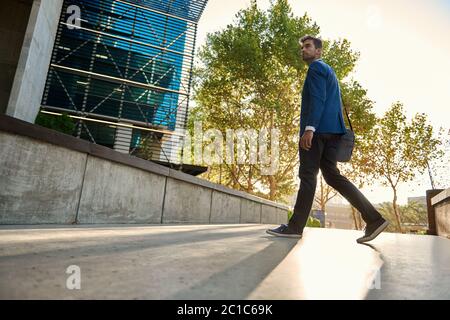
(318, 90)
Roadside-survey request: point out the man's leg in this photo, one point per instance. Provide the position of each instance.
(331, 174)
(309, 168)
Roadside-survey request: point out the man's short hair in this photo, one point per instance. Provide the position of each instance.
(317, 42)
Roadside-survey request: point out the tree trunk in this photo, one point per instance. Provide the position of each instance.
(209, 174)
(358, 216)
(235, 178)
(355, 219)
(397, 213)
(324, 193)
(249, 180)
(273, 188)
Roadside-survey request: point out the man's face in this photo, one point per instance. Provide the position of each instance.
(309, 51)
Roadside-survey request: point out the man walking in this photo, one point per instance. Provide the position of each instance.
(321, 126)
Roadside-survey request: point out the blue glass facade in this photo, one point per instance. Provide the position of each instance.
(129, 62)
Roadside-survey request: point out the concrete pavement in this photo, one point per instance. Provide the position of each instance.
(218, 262)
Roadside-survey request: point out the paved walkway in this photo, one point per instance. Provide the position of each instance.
(218, 262)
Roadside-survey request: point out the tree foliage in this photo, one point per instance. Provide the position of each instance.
(400, 150)
(250, 76)
(414, 216)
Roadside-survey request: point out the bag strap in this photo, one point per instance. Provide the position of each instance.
(346, 112)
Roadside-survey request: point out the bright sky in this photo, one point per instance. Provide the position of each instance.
(405, 54)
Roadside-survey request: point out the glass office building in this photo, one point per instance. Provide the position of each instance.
(123, 74)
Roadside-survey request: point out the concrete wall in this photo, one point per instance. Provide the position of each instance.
(250, 211)
(50, 178)
(39, 182)
(31, 73)
(441, 205)
(225, 208)
(269, 215)
(115, 193)
(186, 202)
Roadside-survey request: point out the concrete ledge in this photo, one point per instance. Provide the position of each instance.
(443, 220)
(40, 183)
(225, 208)
(19, 127)
(443, 196)
(441, 206)
(218, 187)
(282, 216)
(250, 211)
(186, 203)
(49, 177)
(135, 198)
(269, 215)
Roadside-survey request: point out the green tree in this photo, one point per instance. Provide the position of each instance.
(359, 107)
(63, 123)
(311, 222)
(438, 168)
(324, 193)
(401, 149)
(414, 216)
(249, 77)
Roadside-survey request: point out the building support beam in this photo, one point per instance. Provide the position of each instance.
(31, 73)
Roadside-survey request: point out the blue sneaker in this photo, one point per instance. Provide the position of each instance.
(284, 231)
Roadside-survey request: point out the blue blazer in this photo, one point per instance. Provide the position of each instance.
(321, 100)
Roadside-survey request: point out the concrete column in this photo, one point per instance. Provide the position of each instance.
(31, 73)
(14, 17)
(431, 212)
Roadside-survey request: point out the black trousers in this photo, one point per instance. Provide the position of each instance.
(322, 155)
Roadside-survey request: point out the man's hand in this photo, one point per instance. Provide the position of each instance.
(306, 140)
